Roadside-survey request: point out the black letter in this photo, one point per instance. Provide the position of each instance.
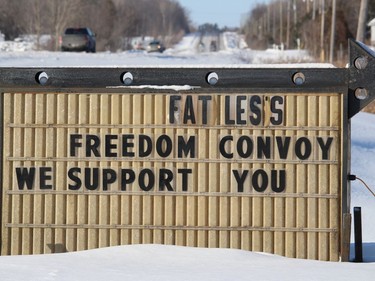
(144, 152)
(282, 184)
(325, 147)
(74, 144)
(125, 180)
(240, 110)
(126, 144)
(74, 178)
(25, 176)
(172, 107)
(189, 110)
(279, 112)
(166, 176)
(256, 116)
(264, 147)
(249, 146)
(151, 179)
(204, 100)
(95, 178)
(298, 148)
(222, 147)
(186, 147)
(92, 145)
(283, 147)
(228, 121)
(167, 148)
(260, 187)
(109, 176)
(109, 146)
(184, 173)
(240, 179)
(45, 177)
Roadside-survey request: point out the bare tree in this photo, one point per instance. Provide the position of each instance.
(112, 20)
(307, 27)
(62, 12)
(101, 18)
(32, 21)
(9, 19)
(362, 21)
(173, 20)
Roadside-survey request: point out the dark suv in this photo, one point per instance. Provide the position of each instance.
(78, 39)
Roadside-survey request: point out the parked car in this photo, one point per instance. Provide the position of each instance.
(78, 39)
(155, 46)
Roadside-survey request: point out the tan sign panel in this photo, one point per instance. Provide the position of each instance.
(260, 172)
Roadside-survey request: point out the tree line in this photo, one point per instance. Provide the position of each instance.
(305, 24)
(114, 21)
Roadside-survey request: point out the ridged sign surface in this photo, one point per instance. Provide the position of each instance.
(260, 172)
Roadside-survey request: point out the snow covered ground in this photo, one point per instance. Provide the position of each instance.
(157, 262)
(164, 263)
(363, 166)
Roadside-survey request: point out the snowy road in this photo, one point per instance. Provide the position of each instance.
(232, 53)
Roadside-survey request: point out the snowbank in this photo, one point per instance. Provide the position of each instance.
(156, 262)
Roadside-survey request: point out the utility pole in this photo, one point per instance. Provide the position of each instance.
(362, 21)
(274, 24)
(281, 23)
(268, 19)
(288, 26)
(333, 29)
(322, 56)
(313, 11)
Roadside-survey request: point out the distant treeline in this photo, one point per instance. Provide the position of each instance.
(305, 24)
(112, 20)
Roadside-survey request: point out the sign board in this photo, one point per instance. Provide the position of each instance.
(249, 171)
(261, 168)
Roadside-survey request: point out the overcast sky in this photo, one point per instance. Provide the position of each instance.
(223, 12)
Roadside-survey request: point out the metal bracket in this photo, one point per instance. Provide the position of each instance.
(361, 83)
(357, 81)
